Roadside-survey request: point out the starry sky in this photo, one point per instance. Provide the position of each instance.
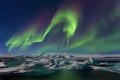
(57, 26)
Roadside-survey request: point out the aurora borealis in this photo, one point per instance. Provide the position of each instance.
(73, 26)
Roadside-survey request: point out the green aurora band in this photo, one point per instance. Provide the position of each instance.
(19, 40)
(70, 16)
(90, 41)
(30, 36)
(116, 12)
(80, 41)
(104, 43)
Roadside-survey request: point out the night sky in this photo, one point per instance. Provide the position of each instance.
(58, 26)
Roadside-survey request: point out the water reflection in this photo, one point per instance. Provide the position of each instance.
(70, 75)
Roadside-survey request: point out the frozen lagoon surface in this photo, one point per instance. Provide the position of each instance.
(58, 67)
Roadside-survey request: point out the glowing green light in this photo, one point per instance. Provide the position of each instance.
(19, 40)
(70, 16)
(30, 36)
